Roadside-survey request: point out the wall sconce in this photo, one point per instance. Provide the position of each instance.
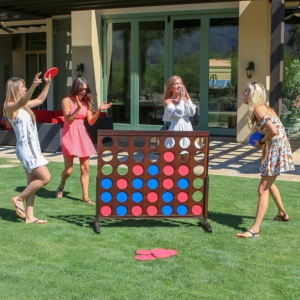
(79, 70)
(250, 69)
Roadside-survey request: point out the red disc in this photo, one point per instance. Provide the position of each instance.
(161, 253)
(143, 252)
(172, 252)
(145, 257)
(52, 71)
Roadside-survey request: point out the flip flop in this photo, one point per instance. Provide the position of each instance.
(89, 201)
(253, 234)
(283, 218)
(37, 221)
(20, 212)
(59, 192)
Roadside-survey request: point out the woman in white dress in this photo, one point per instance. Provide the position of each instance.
(19, 116)
(178, 109)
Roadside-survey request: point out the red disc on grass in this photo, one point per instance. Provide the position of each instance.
(145, 257)
(172, 252)
(161, 253)
(143, 252)
(52, 71)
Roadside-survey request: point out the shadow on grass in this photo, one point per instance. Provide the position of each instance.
(45, 193)
(10, 215)
(229, 220)
(88, 221)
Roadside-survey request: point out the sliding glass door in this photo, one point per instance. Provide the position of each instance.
(140, 55)
(118, 71)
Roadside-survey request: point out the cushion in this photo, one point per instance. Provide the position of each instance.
(43, 116)
(103, 114)
(57, 113)
(57, 120)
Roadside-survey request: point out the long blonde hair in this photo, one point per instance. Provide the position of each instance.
(12, 88)
(257, 96)
(169, 85)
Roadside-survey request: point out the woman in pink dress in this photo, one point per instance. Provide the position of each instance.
(75, 138)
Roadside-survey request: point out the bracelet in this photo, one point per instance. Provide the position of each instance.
(261, 142)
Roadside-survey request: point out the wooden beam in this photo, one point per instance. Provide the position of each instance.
(277, 43)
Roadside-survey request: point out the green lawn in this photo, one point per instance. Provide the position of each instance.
(66, 259)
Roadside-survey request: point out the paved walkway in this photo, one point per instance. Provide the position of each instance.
(226, 158)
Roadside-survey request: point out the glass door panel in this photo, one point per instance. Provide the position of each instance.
(223, 73)
(186, 53)
(151, 71)
(119, 71)
(34, 64)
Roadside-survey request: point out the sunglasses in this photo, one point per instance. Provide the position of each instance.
(87, 90)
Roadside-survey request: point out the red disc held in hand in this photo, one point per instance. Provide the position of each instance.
(52, 71)
(143, 252)
(145, 257)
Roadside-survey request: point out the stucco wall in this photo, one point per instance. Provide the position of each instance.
(86, 35)
(254, 45)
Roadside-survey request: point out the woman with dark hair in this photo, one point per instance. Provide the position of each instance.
(276, 154)
(19, 116)
(75, 138)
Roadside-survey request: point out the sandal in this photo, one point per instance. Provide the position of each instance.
(37, 221)
(283, 218)
(253, 234)
(89, 201)
(20, 211)
(59, 192)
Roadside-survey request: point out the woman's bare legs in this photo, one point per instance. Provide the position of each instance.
(84, 178)
(65, 174)
(265, 184)
(35, 180)
(274, 191)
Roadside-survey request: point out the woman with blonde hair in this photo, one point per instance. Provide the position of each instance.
(19, 116)
(276, 154)
(178, 108)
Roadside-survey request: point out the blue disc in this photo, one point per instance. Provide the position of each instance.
(137, 183)
(106, 197)
(122, 197)
(183, 183)
(152, 184)
(167, 197)
(106, 183)
(167, 210)
(137, 197)
(182, 210)
(153, 170)
(121, 210)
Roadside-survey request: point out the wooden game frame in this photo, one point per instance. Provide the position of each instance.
(147, 149)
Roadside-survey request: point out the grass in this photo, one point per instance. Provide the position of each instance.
(66, 259)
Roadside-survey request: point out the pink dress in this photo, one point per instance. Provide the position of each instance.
(75, 138)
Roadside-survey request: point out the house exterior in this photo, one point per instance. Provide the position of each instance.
(129, 52)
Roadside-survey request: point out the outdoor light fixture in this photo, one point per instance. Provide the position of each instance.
(250, 69)
(80, 70)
